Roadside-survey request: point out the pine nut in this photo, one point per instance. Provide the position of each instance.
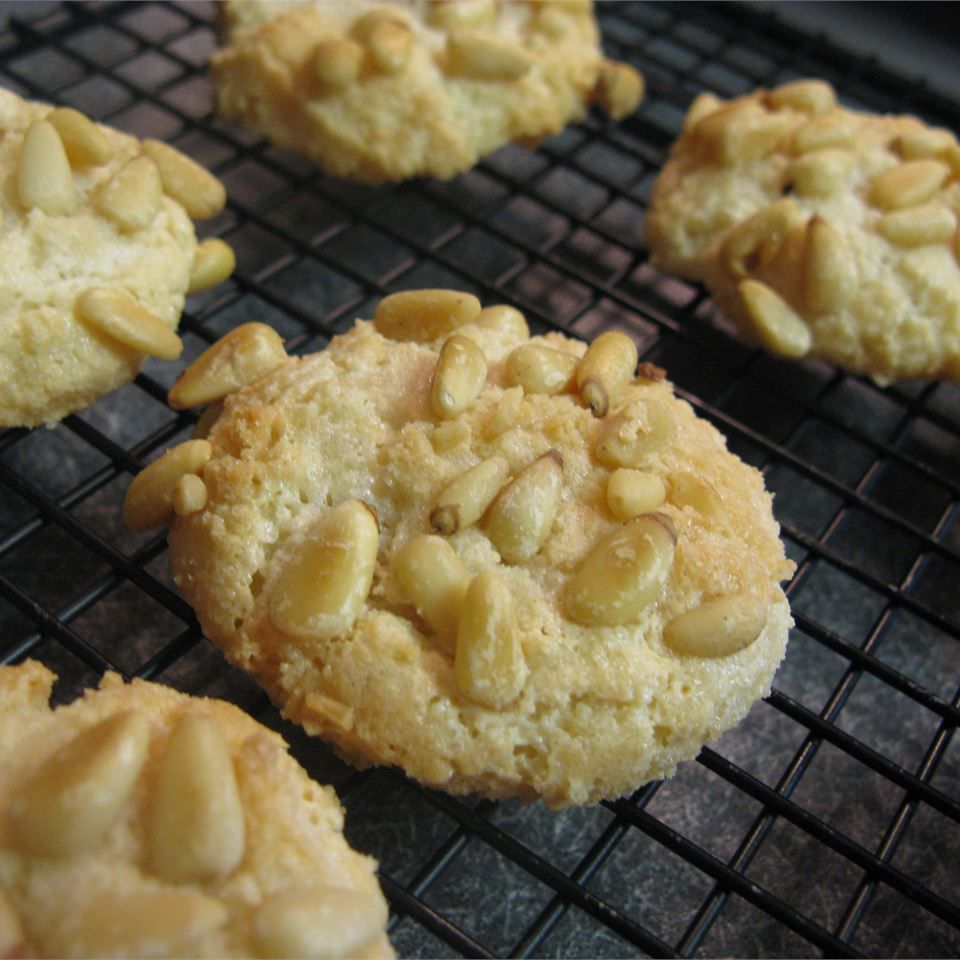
(697, 493)
(541, 369)
(459, 377)
(755, 242)
(149, 499)
(821, 172)
(504, 318)
(123, 319)
(464, 501)
(84, 141)
(829, 276)
(434, 578)
(337, 63)
(197, 190)
(780, 328)
(489, 665)
(741, 132)
(325, 582)
(367, 23)
(810, 96)
(623, 574)
(245, 354)
(639, 433)
(631, 493)
(506, 413)
(196, 829)
(461, 14)
(76, 795)
(824, 132)
(907, 185)
(917, 226)
(390, 44)
(481, 56)
(951, 157)
(922, 144)
(717, 628)
(203, 426)
(44, 177)
(424, 315)
(605, 370)
(328, 922)
(522, 516)
(702, 106)
(189, 495)
(132, 197)
(213, 262)
(11, 930)
(146, 923)
(619, 89)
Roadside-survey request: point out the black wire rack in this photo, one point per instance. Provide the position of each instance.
(829, 821)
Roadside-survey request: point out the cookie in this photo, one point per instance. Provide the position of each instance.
(820, 231)
(377, 92)
(139, 821)
(97, 252)
(499, 562)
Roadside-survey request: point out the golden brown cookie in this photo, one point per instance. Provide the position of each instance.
(97, 252)
(500, 562)
(821, 231)
(386, 91)
(140, 822)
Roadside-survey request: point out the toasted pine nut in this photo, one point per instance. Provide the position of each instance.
(11, 930)
(741, 131)
(459, 377)
(922, 144)
(203, 426)
(44, 177)
(829, 276)
(504, 318)
(434, 578)
(697, 493)
(243, 355)
(464, 501)
(907, 184)
(424, 315)
(132, 197)
(76, 795)
(917, 226)
(541, 369)
(460, 14)
(623, 574)
(821, 172)
(717, 628)
(367, 23)
(149, 499)
(84, 141)
(820, 133)
(810, 96)
(631, 493)
(196, 829)
(318, 922)
(702, 106)
(951, 157)
(755, 242)
(213, 262)
(122, 318)
(605, 369)
(639, 433)
(390, 44)
(522, 516)
(337, 62)
(619, 89)
(780, 328)
(489, 665)
(326, 580)
(189, 495)
(482, 56)
(197, 190)
(505, 416)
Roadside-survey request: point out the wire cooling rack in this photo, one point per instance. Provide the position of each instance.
(827, 823)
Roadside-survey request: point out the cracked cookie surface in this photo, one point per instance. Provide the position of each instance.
(819, 230)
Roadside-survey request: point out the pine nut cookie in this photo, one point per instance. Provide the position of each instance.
(375, 91)
(500, 562)
(139, 821)
(821, 231)
(97, 252)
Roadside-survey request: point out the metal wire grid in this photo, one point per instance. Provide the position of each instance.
(828, 821)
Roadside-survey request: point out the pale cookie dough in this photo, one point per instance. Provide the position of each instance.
(819, 230)
(140, 822)
(429, 549)
(97, 252)
(386, 91)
